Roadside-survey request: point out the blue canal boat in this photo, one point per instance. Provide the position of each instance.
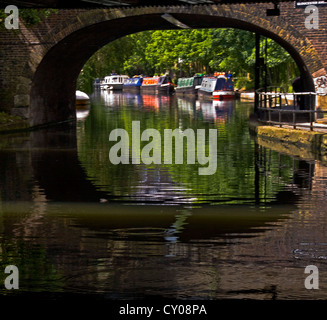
(133, 84)
(219, 87)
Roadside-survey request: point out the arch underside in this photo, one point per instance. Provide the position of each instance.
(54, 84)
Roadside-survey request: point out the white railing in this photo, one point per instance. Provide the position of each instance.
(289, 109)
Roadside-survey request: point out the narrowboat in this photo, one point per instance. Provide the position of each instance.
(133, 84)
(189, 85)
(208, 86)
(225, 89)
(114, 82)
(157, 85)
(218, 88)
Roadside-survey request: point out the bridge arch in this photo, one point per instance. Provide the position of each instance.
(67, 47)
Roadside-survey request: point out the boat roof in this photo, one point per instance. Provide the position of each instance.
(116, 75)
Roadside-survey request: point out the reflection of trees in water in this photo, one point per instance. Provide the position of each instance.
(127, 250)
(235, 180)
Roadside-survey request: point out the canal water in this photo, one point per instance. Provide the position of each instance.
(75, 223)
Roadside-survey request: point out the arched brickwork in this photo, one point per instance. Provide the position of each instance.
(47, 59)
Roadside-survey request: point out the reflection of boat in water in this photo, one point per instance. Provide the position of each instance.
(117, 99)
(217, 111)
(82, 114)
(111, 99)
(187, 106)
(82, 100)
(154, 101)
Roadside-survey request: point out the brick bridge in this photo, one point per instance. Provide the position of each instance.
(40, 65)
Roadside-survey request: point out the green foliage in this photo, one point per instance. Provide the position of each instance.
(6, 118)
(110, 58)
(137, 62)
(186, 52)
(234, 47)
(281, 69)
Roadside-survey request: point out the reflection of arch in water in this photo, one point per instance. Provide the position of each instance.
(61, 176)
(174, 223)
(57, 168)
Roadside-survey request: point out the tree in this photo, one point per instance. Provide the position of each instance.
(110, 58)
(186, 52)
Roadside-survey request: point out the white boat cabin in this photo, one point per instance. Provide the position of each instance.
(114, 80)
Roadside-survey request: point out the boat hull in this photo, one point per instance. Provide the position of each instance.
(224, 95)
(158, 89)
(205, 94)
(115, 86)
(82, 101)
(165, 88)
(149, 89)
(186, 91)
(219, 95)
(132, 89)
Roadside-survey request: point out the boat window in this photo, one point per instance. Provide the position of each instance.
(197, 81)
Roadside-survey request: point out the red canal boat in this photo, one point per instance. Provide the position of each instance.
(157, 85)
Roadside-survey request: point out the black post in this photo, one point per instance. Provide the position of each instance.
(256, 175)
(266, 63)
(257, 71)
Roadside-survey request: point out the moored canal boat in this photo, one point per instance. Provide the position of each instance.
(157, 85)
(82, 100)
(218, 88)
(189, 85)
(208, 86)
(133, 84)
(225, 88)
(114, 82)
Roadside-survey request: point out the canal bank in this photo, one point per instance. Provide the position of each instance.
(12, 124)
(297, 142)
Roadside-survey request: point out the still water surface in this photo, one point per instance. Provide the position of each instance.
(73, 222)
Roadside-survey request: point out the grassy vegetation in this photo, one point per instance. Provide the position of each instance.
(6, 118)
(9, 122)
